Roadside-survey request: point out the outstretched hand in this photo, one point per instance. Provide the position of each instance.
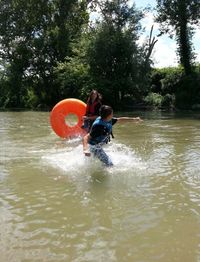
(138, 119)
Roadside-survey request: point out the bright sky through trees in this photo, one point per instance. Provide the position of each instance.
(164, 53)
(165, 49)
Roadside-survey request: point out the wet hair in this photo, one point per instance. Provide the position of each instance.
(105, 111)
(98, 98)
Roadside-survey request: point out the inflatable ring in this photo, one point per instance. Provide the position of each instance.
(58, 117)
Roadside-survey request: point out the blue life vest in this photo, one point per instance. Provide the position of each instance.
(101, 131)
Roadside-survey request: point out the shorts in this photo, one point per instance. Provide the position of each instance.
(98, 152)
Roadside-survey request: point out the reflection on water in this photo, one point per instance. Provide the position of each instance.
(57, 205)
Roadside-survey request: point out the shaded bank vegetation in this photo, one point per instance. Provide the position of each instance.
(50, 50)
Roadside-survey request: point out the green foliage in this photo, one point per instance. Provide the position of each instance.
(165, 80)
(30, 99)
(177, 89)
(178, 17)
(168, 101)
(153, 99)
(49, 51)
(72, 77)
(4, 91)
(35, 35)
(188, 91)
(114, 57)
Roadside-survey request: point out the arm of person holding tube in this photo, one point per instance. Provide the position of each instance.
(90, 117)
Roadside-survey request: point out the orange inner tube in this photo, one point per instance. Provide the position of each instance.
(58, 117)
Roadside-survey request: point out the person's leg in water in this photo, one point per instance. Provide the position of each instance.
(101, 155)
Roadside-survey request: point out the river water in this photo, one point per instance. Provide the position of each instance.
(58, 205)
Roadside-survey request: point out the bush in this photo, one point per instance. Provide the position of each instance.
(165, 80)
(30, 100)
(175, 88)
(188, 91)
(168, 101)
(154, 99)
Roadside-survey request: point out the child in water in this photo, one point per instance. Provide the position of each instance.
(100, 133)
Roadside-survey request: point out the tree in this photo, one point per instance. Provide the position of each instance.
(72, 76)
(114, 56)
(35, 35)
(179, 17)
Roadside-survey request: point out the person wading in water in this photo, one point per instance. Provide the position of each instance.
(92, 109)
(100, 134)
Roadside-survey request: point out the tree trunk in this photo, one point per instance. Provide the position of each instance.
(184, 40)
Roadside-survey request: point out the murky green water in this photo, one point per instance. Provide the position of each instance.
(57, 205)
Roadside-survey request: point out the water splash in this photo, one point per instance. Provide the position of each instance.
(71, 159)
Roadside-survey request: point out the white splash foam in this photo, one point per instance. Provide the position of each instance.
(72, 160)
